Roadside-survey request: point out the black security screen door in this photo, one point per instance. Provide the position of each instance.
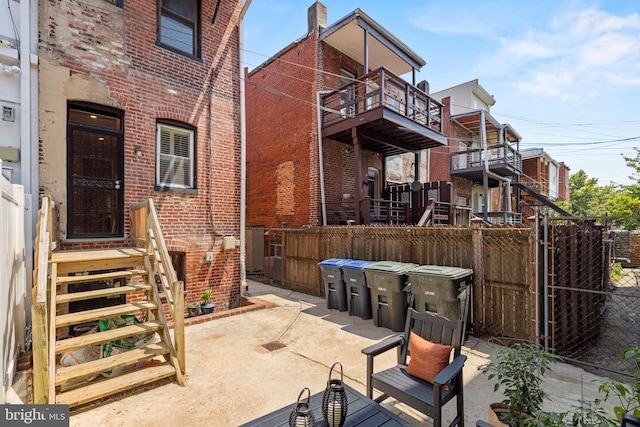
(95, 173)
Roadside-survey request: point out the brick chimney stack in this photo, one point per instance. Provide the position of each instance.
(317, 16)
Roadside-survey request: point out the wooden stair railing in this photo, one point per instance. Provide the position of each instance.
(44, 245)
(94, 378)
(145, 231)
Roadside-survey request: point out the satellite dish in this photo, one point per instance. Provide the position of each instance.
(415, 185)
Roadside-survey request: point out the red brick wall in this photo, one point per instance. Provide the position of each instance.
(439, 159)
(282, 137)
(563, 182)
(117, 48)
(281, 113)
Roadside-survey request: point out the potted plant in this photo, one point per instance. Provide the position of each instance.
(193, 308)
(207, 305)
(519, 370)
(628, 398)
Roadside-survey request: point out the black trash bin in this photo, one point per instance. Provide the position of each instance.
(442, 290)
(358, 295)
(334, 287)
(386, 281)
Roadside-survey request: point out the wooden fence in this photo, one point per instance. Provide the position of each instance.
(500, 257)
(13, 279)
(510, 271)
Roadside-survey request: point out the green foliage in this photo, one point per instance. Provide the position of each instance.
(585, 193)
(616, 271)
(586, 415)
(206, 296)
(519, 371)
(634, 163)
(624, 203)
(628, 398)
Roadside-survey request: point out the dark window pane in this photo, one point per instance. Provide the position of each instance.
(184, 8)
(94, 119)
(177, 34)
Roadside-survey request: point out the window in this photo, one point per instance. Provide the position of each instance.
(175, 165)
(178, 25)
(346, 96)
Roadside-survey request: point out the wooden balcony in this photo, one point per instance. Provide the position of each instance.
(503, 159)
(391, 115)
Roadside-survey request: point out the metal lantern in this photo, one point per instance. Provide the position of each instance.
(301, 415)
(334, 401)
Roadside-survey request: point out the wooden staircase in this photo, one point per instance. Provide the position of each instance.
(68, 267)
(143, 351)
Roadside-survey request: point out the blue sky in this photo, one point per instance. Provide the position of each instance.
(565, 73)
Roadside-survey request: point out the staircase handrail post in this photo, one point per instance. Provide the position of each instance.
(178, 323)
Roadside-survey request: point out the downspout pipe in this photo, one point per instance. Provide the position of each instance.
(243, 152)
(319, 108)
(485, 177)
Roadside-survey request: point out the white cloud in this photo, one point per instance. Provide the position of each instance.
(526, 48)
(578, 51)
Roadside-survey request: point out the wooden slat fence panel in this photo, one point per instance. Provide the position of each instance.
(506, 295)
(506, 252)
(578, 291)
(442, 246)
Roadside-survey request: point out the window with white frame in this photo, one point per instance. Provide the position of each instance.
(178, 25)
(175, 166)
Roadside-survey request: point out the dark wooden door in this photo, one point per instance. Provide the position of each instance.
(95, 175)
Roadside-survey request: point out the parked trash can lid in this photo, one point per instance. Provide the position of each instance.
(391, 267)
(333, 262)
(441, 271)
(356, 264)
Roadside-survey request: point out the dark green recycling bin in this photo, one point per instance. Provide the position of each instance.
(358, 295)
(334, 287)
(442, 290)
(386, 281)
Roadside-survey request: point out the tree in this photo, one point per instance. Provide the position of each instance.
(634, 163)
(587, 198)
(624, 203)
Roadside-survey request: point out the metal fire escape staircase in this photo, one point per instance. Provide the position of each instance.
(540, 198)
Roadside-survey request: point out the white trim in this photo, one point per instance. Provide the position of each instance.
(176, 129)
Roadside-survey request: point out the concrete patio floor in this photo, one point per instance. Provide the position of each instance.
(244, 366)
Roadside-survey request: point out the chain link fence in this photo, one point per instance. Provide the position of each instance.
(594, 317)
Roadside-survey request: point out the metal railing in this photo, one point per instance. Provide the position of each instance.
(498, 155)
(382, 88)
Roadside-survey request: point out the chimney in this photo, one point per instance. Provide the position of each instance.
(317, 16)
(424, 86)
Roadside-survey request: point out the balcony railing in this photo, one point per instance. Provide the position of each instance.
(381, 88)
(502, 158)
(372, 211)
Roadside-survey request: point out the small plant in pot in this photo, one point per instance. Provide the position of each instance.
(207, 305)
(519, 370)
(193, 308)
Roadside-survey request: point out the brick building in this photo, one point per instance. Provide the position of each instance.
(140, 99)
(326, 114)
(476, 138)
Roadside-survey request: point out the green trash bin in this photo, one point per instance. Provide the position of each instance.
(442, 290)
(386, 281)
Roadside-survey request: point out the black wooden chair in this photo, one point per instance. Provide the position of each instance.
(426, 397)
(629, 420)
